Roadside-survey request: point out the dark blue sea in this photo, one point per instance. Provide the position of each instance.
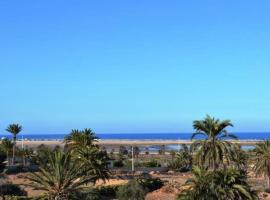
(138, 136)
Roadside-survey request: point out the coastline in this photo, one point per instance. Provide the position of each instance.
(124, 142)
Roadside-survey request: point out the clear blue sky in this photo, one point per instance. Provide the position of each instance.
(134, 66)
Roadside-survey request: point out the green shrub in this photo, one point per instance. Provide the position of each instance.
(150, 184)
(9, 189)
(87, 194)
(151, 163)
(118, 163)
(19, 198)
(15, 169)
(109, 191)
(127, 163)
(182, 162)
(3, 158)
(131, 191)
(123, 150)
(136, 189)
(179, 166)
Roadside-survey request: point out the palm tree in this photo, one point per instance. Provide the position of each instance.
(226, 184)
(240, 158)
(25, 153)
(93, 159)
(172, 154)
(262, 160)
(14, 129)
(197, 187)
(77, 138)
(231, 184)
(61, 177)
(212, 150)
(182, 160)
(94, 162)
(41, 155)
(6, 146)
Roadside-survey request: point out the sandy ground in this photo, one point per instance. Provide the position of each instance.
(53, 143)
(160, 195)
(19, 179)
(166, 193)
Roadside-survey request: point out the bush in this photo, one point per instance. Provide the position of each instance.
(89, 194)
(9, 189)
(19, 198)
(179, 166)
(136, 189)
(109, 191)
(15, 169)
(139, 164)
(118, 163)
(182, 162)
(131, 191)
(150, 184)
(3, 158)
(123, 150)
(151, 163)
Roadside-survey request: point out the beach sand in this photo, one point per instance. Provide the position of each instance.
(117, 143)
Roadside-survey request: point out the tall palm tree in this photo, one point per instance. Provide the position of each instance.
(226, 184)
(14, 129)
(77, 138)
(94, 160)
(6, 146)
(61, 178)
(212, 150)
(262, 160)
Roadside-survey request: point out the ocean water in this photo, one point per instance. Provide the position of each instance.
(138, 136)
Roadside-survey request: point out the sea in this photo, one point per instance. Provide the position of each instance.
(141, 136)
(138, 136)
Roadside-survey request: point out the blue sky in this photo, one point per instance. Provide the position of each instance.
(134, 66)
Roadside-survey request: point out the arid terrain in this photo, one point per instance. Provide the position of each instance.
(173, 184)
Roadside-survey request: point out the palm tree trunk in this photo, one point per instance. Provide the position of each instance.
(268, 181)
(214, 155)
(8, 161)
(14, 148)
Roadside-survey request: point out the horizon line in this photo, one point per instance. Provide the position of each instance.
(237, 132)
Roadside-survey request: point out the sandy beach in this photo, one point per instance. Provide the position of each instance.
(113, 143)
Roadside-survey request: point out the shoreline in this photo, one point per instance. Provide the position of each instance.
(123, 142)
